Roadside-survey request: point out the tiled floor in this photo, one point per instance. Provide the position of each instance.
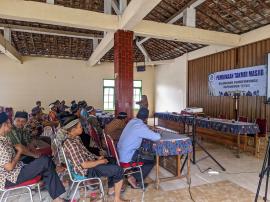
(242, 171)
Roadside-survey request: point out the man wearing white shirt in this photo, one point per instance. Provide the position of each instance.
(130, 141)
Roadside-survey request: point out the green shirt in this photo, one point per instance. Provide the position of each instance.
(19, 136)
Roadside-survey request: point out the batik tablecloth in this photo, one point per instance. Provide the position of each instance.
(181, 118)
(227, 126)
(222, 125)
(170, 144)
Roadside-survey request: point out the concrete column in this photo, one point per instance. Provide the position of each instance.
(123, 69)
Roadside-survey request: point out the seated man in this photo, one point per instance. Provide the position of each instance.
(38, 105)
(53, 113)
(116, 126)
(63, 107)
(36, 125)
(91, 145)
(18, 135)
(130, 142)
(14, 172)
(93, 121)
(87, 164)
(60, 136)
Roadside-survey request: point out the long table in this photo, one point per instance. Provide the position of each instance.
(170, 144)
(219, 130)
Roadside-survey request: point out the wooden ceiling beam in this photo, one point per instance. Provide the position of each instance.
(133, 14)
(179, 14)
(185, 34)
(30, 11)
(130, 20)
(144, 52)
(7, 48)
(54, 32)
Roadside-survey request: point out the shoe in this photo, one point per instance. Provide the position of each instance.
(139, 186)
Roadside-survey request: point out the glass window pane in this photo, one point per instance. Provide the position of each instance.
(111, 99)
(110, 106)
(106, 106)
(137, 83)
(111, 91)
(108, 83)
(106, 91)
(137, 91)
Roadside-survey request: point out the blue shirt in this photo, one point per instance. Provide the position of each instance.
(131, 139)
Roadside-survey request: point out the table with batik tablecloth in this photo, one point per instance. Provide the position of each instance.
(223, 131)
(104, 118)
(229, 127)
(174, 121)
(170, 144)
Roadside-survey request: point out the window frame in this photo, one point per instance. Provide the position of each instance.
(140, 88)
(109, 110)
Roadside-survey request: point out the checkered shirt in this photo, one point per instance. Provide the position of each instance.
(77, 154)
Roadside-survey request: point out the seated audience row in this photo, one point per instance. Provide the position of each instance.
(81, 135)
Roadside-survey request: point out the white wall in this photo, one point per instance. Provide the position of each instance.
(171, 80)
(48, 79)
(171, 86)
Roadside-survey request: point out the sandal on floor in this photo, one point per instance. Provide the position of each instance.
(122, 191)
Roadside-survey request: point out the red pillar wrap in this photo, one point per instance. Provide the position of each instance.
(123, 69)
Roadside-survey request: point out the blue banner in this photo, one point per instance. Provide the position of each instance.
(249, 81)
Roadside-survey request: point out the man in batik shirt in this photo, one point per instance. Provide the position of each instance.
(13, 172)
(19, 135)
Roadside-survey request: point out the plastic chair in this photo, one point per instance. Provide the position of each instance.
(79, 179)
(107, 146)
(94, 135)
(25, 185)
(128, 167)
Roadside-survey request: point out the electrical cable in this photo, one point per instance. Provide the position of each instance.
(189, 191)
